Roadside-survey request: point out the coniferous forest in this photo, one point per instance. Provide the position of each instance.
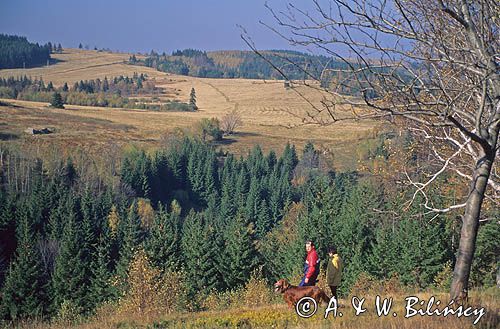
(206, 222)
(250, 164)
(18, 52)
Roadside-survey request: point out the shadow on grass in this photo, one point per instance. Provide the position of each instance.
(8, 136)
(2, 103)
(230, 139)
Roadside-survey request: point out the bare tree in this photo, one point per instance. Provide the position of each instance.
(431, 66)
(230, 121)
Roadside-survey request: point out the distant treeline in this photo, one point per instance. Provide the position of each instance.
(18, 52)
(206, 221)
(237, 64)
(286, 65)
(113, 92)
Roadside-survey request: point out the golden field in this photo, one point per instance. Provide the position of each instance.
(278, 315)
(270, 113)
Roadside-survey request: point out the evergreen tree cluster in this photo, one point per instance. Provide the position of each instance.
(120, 85)
(18, 52)
(237, 64)
(55, 49)
(292, 65)
(113, 92)
(68, 241)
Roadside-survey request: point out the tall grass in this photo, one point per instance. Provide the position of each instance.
(257, 306)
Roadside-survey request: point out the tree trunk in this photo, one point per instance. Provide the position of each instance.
(470, 226)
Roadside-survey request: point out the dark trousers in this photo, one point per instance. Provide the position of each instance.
(334, 292)
(312, 282)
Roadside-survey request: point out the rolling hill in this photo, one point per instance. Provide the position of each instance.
(271, 114)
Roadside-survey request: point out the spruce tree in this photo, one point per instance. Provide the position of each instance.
(263, 221)
(130, 238)
(240, 253)
(227, 206)
(69, 281)
(101, 289)
(422, 251)
(385, 252)
(253, 200)
(210, 177)
(200, 254)
(192, 100)
(24, 294)
(57, 101)
(487, 256)
(163, 244)
(282, 249)
(353, 231)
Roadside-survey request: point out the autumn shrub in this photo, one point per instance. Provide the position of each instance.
(256, 292)
(150, 292)
(442, 281)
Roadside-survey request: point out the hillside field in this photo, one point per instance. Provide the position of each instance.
(270, 113)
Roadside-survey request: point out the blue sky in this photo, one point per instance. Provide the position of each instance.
(139, 26)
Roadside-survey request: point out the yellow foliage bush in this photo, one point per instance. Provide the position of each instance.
(146, 212)
(368, 285)
(151, 292)
(255, 293)
(442, 281)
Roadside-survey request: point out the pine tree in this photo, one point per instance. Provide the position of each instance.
(240, 253)
(130, 238)
(210, 177)
(241, 189)
(105, 85)
(200, 254)
(8, 243)
(101, 289)
(65, 87)
(282, 249)
(353, 231)
(69, 281)
(421, 251)
(57, 101)
(485, 267)
(80, 46)
(253, 200)
(289, 158)
(263, 221)
(227, 206)
(385, 252)
(192, 100)
(163, 244)
(24, 292)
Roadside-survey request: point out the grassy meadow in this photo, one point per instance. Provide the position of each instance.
(270, 113)
(262, 309)
(271, 117)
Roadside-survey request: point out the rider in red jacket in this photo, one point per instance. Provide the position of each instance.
(311, 266)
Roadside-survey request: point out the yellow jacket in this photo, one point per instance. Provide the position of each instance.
(334, 270)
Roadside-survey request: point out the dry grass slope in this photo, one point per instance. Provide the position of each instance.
(280, 316)
(265, 107)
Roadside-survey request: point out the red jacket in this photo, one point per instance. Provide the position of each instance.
(312, 262)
